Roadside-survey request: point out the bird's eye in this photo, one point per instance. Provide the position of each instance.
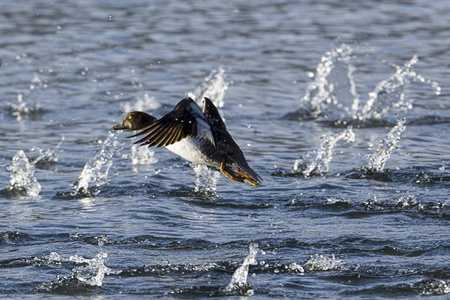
(129, 118)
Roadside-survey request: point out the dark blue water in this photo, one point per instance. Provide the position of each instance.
(341, 107)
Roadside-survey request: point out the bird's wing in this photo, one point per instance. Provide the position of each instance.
(185, 120)
(225, 143)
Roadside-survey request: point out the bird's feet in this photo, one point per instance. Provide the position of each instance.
(239, 175)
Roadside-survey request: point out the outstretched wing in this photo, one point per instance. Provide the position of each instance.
(225, 143)
(185, 120)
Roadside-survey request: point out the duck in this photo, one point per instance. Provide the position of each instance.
(197, 135)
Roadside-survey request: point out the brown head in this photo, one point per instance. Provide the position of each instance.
(135, 120)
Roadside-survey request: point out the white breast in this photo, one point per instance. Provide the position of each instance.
(189, 149)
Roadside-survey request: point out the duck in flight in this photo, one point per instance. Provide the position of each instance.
(198, 135)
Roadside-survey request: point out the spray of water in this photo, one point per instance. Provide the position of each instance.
(317, 161)
(213, 87)
(205, 178)
(47, 156)
(96, 169)
(147, 103)
(93, 270)
(22, 108)
(318, 262)
(386, 147)
(389, 94)
(22, 180)
(238, 284)
(333, 93)
(90, 272)
(142, 155)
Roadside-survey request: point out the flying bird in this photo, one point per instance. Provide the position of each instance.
(198, 135)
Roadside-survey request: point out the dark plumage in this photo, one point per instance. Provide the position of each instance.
(197, 135)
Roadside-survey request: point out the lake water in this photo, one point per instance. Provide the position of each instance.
(342, 108)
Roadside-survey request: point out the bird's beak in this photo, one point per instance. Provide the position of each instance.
(120, 126)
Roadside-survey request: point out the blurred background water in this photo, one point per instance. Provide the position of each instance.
(341, 107)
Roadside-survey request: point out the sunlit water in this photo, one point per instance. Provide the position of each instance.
(341, 107)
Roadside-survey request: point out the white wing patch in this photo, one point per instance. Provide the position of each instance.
(203, 128)
(204, 131)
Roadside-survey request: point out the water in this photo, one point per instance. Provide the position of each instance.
(341, 107)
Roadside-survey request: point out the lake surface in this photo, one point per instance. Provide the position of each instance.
(342, 108)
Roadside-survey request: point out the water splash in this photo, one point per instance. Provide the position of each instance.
(46, 157)
(333, 93)
(317, 161)
(142, 155)
(94, 271)
(22, 180)
(21, 108)
(205, 178)
(90, 274)
(389, 94)
(238, 284)
(214, 87)
(96, 169)
(322, 263)
(386, 147)
(148, 103)
(428, 287)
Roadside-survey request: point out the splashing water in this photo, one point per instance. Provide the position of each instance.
(91, 273)
(333, 93)
(94, 272)
(22, 108)
(330, 86)
(386, 147)
(96, 169)
(148, 103)
(142, 155)
(46, 157)
(238, 282)
(205, 178)
(214, 87)
(318, 160)
(321, 263)
(22, 181)
(388, 94)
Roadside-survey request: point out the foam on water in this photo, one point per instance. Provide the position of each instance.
(22, 180)
(95, 172)
(317, 161)
(238, 283)
(432, 287)
(386, 147)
